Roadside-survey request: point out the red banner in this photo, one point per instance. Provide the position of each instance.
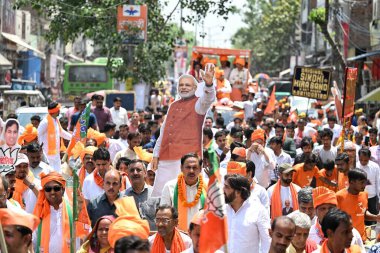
(349, 92)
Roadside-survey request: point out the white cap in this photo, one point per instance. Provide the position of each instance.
(21, 158)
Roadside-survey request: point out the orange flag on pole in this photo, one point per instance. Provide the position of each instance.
(271, 103)
(214, 223)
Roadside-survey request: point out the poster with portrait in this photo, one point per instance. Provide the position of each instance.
(9, 147)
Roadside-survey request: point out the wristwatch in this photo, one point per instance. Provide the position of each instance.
(31, 186)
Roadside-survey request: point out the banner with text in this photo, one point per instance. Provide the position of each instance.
(133, 21)
(349, 92)
(311, 83)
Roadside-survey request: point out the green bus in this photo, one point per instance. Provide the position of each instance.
(86, 77)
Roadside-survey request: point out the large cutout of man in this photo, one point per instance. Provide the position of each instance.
(181, 132)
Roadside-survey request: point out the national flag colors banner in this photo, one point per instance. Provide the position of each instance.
(214, 223)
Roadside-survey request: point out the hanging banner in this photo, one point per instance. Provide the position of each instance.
(133, 21)
(180, 59)
(349, 92)
(311, 83)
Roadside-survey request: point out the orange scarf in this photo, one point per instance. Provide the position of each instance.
(20, 188)
(51, 138)
(98, 179)
(352, 249)
(220, 94)
(276, 202)
(82, 176)
(176, 247)
(320, 232)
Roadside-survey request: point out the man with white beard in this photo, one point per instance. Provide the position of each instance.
(181, 132)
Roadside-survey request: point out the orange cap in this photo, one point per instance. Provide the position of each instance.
(240, 151)
(223, 58)
(322, 195)
(239, 115)
(240, 61)
(236, 168)
(28, 135)
(258, 134)
(9, 217)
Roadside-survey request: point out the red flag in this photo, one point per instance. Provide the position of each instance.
(214, 223)
(271, 103)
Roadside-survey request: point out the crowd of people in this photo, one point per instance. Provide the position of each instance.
(289, 182)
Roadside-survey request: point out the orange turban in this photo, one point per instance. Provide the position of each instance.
(213, 61)
(143, 155)
(322, 195)
(239, 115)
(99, 137)
(28, 135)
(236, 168)
(9, 217)
(80, 151)
(258, 134)
(240, 61)
(240, 151)
(223, 58)
(128, 223)
(42, 207)
(219, 73)
(204, 61)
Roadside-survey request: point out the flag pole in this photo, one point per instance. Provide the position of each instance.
(3, 246)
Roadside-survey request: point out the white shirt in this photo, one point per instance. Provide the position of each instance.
(260, 192)
(14, 206)
(201, 107)
(237, 75)
(281, 159)
(42, 167)
(373, 175)
(326, 154)
(119, 117)
(30, 198)
(128, 153)
(54, 160)
(263, 167)
(285, 194)
(307, 132)
(186, 241)
(114, 147)
(90, 189)
(248, 228)
(191, 191)
(336, 130)
(55, 244)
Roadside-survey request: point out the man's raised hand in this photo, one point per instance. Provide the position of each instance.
(208, 73)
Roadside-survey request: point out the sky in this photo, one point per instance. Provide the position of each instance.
(212, 26)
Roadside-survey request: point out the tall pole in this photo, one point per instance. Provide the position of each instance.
(131, 48)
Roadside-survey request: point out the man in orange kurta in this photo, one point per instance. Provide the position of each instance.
(304, 172)
(354, 201)
(181, 133)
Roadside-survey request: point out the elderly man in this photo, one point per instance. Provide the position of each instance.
(142, 192)
(282, 231)
(50, 133)
(305, 203)
(93, 183)
(187, 193)
(284, 190)
(55, 213)
(300, 243)
(104, 204)
(34, 153)
(18, 228)
(26, 186)
(245, 216)
(181, 132)
(168, 238)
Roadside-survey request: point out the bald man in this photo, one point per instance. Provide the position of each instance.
(104, 204)
(282, 232)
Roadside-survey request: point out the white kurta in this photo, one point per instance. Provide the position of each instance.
(54, 160)
(119, 117)
(90, 189)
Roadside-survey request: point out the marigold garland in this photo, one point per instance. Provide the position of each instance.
(181, 195)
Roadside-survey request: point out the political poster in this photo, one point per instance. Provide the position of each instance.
(133, 21)
(311, 83)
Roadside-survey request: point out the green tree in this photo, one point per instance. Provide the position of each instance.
(96, 20)
(269, 32)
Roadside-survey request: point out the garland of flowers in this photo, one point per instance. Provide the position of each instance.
(181, 195)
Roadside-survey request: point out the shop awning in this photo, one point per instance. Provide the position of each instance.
(373, 96)
(4, 63)
(16, 39)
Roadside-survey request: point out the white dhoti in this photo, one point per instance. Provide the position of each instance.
(167, 170)
(55, 162)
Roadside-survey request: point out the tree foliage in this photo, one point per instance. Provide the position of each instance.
(269, 32)
(96, 20)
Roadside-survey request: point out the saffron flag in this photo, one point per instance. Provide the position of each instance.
(214, 221)
(271, 106)
(80, 130)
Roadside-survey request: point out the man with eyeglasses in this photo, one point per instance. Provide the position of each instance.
(168, 238)
(104, 203)
(55, 213)
(142, 192)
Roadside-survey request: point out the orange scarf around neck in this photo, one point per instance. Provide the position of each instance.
(51, 137)
(20, 188)
(98, 179)
(320, 232)
(220, 94)
(276, 202)
(352, 249)
(176, 247)
(82, 175)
